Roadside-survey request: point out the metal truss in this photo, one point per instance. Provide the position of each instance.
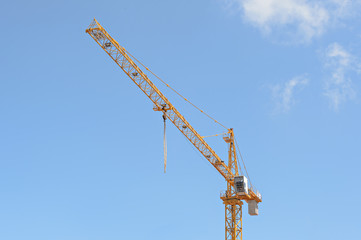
(233, 214)
(125, 62)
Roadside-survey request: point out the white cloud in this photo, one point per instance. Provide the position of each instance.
(283, 94)
(338, 87)
(296, 21)
(345, 8)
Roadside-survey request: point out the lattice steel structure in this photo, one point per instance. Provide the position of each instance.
(233, 205)
(233, 202)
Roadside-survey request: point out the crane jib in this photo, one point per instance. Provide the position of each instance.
(125, 62)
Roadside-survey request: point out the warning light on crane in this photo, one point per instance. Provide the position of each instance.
(238, 188)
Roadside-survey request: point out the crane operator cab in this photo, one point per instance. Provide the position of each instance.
(241, 185)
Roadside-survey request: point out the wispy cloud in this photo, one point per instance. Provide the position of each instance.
(345, 8)
(296, 21)
(283, 95)
(338, 86)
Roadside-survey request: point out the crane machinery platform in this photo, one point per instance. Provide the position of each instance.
(239, 190)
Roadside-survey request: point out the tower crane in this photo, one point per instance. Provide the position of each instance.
(238, 189)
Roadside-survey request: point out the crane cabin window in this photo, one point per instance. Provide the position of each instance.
(241, 185)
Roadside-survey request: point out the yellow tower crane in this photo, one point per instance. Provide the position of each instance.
(238, 189)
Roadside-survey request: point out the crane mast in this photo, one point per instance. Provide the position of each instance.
(233, 205)
(233, 201)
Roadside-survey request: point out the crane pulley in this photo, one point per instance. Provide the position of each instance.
(237, 186)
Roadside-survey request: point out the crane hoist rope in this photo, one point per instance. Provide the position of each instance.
(165, 142)
(185, 99)
(215, 135)
(166, 84)
(244, 165)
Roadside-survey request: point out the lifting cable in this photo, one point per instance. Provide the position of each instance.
(244, 165)
(215, 135)
(164, 137)
(165, 143)
(175, 90)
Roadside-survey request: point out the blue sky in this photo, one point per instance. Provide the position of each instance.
(81, 150)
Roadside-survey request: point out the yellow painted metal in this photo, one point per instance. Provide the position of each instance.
(233, 202)
(124, 61)
(233, 205)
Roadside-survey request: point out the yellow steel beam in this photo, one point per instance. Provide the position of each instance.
(125, 62)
